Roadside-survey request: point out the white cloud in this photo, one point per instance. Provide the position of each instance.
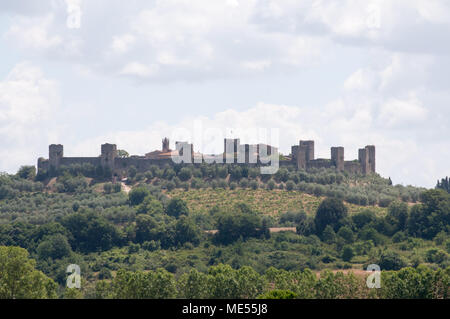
(28, 101)
(32, 33)
(395, 112)
(139, 70)
(123, 43)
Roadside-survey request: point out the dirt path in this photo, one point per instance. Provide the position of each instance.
(126, 188)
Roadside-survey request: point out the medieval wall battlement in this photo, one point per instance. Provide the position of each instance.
(302, 157)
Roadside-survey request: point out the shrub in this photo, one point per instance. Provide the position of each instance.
(254, 184)
(137, 195)
(243, 183)
(185, 174)
(107, 188)
(390, 260)
(330, 212)
(435, 255)
(347, 253)
(177, 207)
(290, 185)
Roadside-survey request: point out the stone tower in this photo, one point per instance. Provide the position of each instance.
(55, 154)
(363, 160)
(165, 145)
(309, 149)
(370, 149)
(294, 151)
(301, 158)
(337, 157)
(108, 156)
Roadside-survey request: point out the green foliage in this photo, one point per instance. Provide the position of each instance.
(347, 234)
(107, 188)
(185, 174)
(390, 260)
(19, 279)
(432, 216)
(91, 232)
(330, 212)
(278, 294)
(122, 154)
(151, 206)
(177, 207)
(239, 223)
(421, 282)
(328, 235)
(347, 253)
(70, 184)
(444, 184)
(27, 172)
(55, 247)
(137, 195)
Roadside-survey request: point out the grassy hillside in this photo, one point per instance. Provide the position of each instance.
(267, 202)
(160, 219)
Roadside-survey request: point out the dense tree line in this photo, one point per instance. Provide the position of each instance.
(444, 184)
(222, 281)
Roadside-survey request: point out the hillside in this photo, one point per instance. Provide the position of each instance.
(159, 220)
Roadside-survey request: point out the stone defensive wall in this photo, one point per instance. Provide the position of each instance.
(302, 157)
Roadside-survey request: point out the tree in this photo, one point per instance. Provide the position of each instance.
(239, 223)
(185, 174)
(444, 184)
(150, 205)
(122, 154)
(363, 218)
(137, 195)
(54, 247)
(145, 225)
(390, 260)
(107, 188)
(91, 232)
(132, 171)
(398, 214)
(19, 279)
(432, 216)
(222, 282)
(421, 282)
(186, 231)
(193, 285)
(346, 233)
(177, 207)
(330, 212)
(159, 284)
(27, 172)
(347, 253)
(278, 294)
(328, 235)
(290, 185)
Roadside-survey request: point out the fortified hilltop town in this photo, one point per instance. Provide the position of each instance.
(302, 157)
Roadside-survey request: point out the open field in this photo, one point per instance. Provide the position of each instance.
(267, 202)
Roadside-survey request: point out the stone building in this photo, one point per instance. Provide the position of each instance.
(302, 157)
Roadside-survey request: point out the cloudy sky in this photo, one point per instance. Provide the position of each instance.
(341, 72)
